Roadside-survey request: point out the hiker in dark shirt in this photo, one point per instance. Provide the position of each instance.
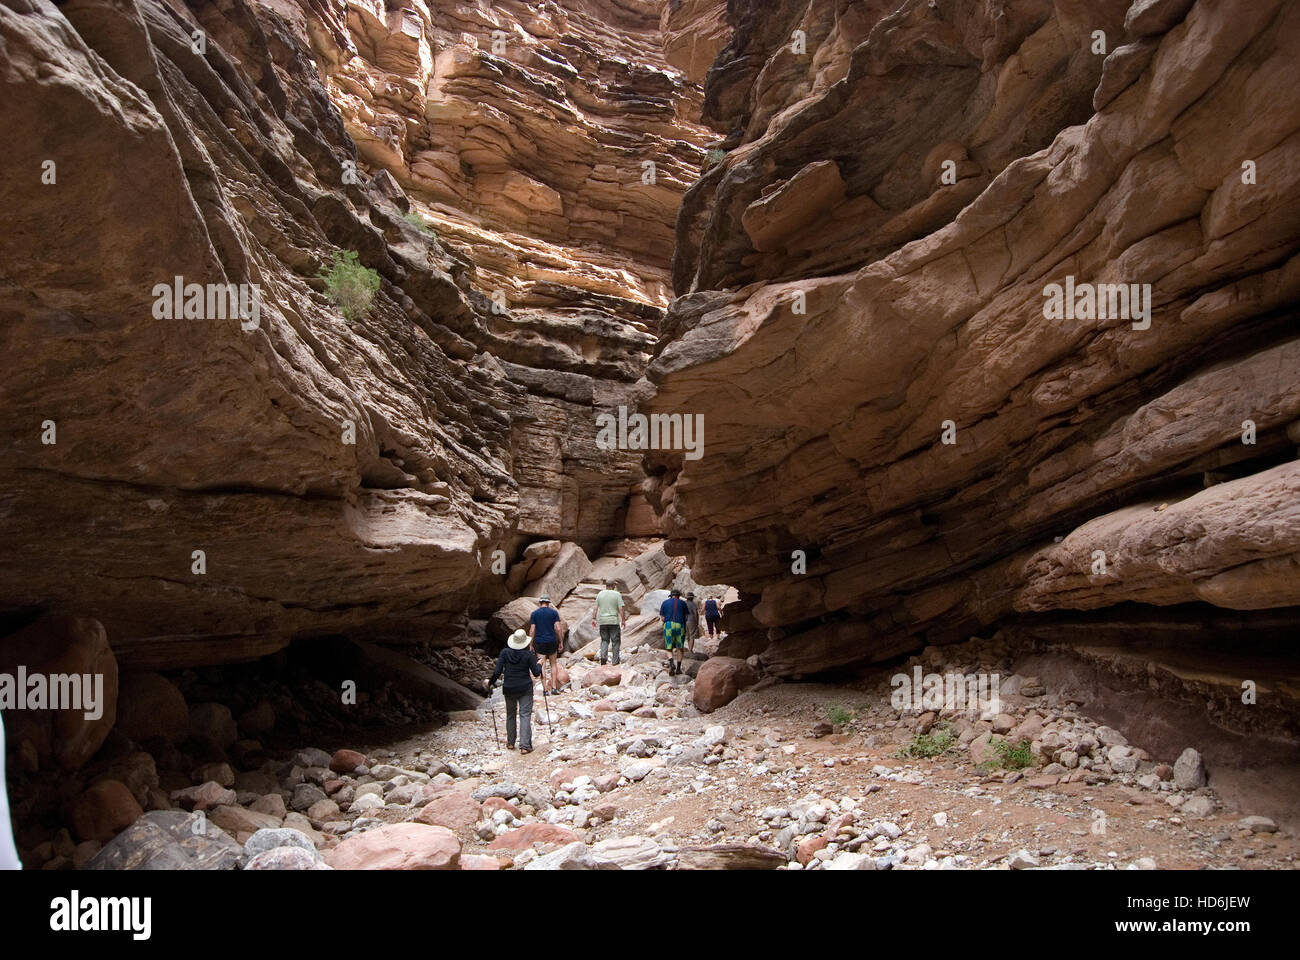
(711, 616)
(692, 621)
(541, 627)
(518, 665)
(673, 613)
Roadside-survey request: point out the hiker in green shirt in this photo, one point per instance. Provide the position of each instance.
(610, 616)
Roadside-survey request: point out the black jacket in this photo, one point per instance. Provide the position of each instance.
(516, 665)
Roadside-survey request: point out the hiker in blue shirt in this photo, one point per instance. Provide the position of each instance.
(673, 612)
(541, 627)
(711, 616)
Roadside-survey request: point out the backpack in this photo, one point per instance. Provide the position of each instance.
(710, 607)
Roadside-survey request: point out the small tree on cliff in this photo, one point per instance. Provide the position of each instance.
(349, 285)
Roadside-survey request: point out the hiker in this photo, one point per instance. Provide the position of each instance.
(711, 616)
(692, 621)
(518, 665)
(610, 616)
(673, 613)
(541, 627)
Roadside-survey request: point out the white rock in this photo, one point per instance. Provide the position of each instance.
(1022, 860)
(852, 861)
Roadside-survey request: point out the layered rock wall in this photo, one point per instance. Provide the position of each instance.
(863, 322)
(208, 487)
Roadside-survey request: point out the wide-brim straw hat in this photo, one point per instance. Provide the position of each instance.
(518, 640)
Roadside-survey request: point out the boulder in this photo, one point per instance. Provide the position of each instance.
(569, 568)
(452, 809)
(398, 846)
(103, 810)
(236, 820)
(169, 840)
(606, 676)
(571, 856)
(204, 796)
(729, 856)
(137, 770)
(272, 837)
(652, 569)
(493, 804)
(513, 616)
(477, 861)
(522, 838)
(719, 682)
(536, 559)
(285, 858)
(258, 720)
(212, 725)
(149, 705)
(345, 761)
(631, 853)
(78, 674)
(1189, 770)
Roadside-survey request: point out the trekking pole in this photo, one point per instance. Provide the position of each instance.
(550, 726)
(492, 708)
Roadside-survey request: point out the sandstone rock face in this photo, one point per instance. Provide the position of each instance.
(220, 484)
(885, 385)
(522, 139)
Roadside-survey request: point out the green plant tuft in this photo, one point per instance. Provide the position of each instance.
(839, 715)
(939, 740)
(417, 221)
(349, 285)
(1008, 757)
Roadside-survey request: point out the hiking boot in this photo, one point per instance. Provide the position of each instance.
(602, 661)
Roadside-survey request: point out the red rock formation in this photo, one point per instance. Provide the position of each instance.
(1172, 160)
(206, 490)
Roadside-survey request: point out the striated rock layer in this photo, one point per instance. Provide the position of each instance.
(208, 488)
(864, 275)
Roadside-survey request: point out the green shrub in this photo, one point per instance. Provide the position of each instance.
(939, 740)
(712, 158)
(1008, 757)
(839, 715)
(417, 221)
(349, 285)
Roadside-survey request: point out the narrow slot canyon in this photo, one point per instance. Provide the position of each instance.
(910, 388)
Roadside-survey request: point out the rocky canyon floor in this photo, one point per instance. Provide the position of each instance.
(627, 773)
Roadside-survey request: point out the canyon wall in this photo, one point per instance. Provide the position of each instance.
(904, 442)
(208, 486)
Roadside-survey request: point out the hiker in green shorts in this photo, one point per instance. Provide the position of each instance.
(673, 612)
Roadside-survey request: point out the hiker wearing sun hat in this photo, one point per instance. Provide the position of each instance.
(517, 664)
